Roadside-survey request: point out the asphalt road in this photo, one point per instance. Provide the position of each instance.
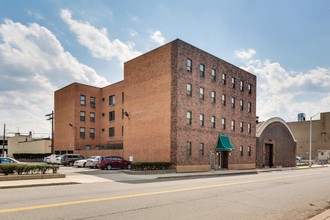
(294, 194)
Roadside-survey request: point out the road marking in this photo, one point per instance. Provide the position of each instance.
(27, 208)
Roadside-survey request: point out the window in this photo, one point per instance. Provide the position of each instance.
(189, 65)
(122, 97)
(88, 147)
(97, 147)
(213, 75)
(241, 150)
(82, 133)
(122, 113)
(112, 116)
(232, 125)
(249, 88)
(232, 102)
(82, 116)
(201, 70)
(188, 149)
(233, 82)
(213, 96)
(82, 100)
(241, 125)
(122, 130)
(249, 151)
(111, 132)
(249, 106)
(249, 128)
(241, 85)
(92, 132)
(223, 99)
(103, 114)
(201, 93)
(92, 117)
(103, 99)
(223, 78)
(201, 149)
(112, 100)
(188, 118)
(92, 102)
(189, 89)
(223, 124)
(213, 122)
(201, 120)
(241, 105)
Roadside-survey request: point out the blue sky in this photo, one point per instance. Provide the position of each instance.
(46, 45)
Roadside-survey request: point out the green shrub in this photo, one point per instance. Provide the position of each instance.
(151, 166)
(22, 169)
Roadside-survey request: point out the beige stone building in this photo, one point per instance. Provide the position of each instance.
(176, 103)
(26, 144)
(320, 135)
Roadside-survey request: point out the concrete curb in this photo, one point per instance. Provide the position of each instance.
(190, 176)
(39, 184)
(31, 177)
(323, 216)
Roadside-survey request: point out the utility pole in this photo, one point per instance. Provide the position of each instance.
(51, 117)
(3, 139)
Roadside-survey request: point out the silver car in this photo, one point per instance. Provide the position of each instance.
(93, 161)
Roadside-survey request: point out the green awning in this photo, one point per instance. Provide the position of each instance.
(224, 144)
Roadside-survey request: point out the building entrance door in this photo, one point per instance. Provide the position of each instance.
(223, 159)
(268, 155)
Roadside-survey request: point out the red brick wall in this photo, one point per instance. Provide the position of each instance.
(181, 103)
(147, 100)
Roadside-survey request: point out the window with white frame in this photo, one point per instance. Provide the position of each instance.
(189, 118)
(241, 85)
(213, 95)
(201, 149)
(241, 126)
(213, 75)
(213, 122)
(249, 128)
(189, 65)
(223, 123)
(249, 106)
(232, 102)
(223, 99)
(201, 70)
(241, 104)
(232, 125)
(82, 116)
(189, 89)
(233, 82)
(201, 93)
(188, 149)
(223, 78)
(201, 120)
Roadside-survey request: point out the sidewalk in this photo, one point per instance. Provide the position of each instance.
(78, 178)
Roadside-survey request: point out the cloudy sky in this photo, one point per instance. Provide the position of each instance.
(46, 45)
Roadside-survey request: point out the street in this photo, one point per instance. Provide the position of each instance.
(291, 194)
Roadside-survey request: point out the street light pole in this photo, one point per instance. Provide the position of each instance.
(310, 139)
(51, 117)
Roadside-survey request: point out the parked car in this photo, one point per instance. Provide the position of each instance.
(81, 163)
(109, 162)
(48, 159)
(69, 159)
(93, 161)
(8, 160)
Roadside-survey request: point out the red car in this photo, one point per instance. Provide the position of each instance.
(109, 162)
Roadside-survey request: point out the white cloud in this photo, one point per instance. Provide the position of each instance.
(35, 15)
(133, 33)
(244, 54)
(157, 37)
(97, 40)
(283, 93)
(33, 65)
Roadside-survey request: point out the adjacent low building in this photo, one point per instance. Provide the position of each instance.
(276, 144)
(27, 144)
(176, 103)
(320, 136)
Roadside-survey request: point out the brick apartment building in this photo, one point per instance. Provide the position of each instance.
(176, 103)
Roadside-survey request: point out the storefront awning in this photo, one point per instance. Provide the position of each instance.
(224, 144)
